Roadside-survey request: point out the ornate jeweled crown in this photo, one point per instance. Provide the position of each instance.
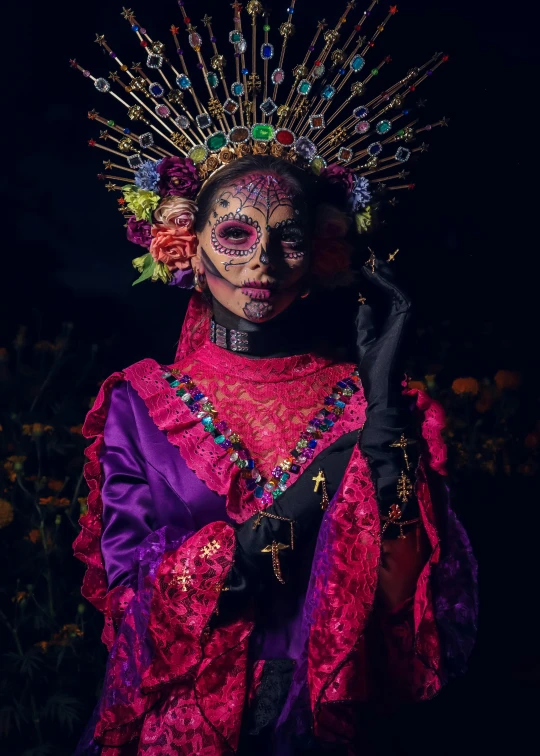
(322, 116)
(190, 119)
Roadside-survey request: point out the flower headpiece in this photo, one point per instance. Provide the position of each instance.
(318, 116)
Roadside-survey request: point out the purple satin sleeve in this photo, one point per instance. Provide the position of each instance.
(146, 484)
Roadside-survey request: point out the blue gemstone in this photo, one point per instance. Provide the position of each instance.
(342, 384)
(267, 51)
(374, 149)
(405, 112)
(135, 28)
(328, 92)
(357, 63)
(245, 71)
(258, 492)
(127, 131)
(183, 81)
(174, 384)
(290, 10)
(338, 404)
(342, 71)
(251, 485)
(198, 395)
(360, 112)
(250, 464)
(157, 90)
(206, 421)
(312, 444)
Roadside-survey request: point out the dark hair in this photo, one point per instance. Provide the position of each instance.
(301, 182)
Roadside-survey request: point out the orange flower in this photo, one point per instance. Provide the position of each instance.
(66, 634)
(34, 535)
(36, 429)
(55, 485)
(507, 379)
(6, 513)
(19, 597)
(173, 246)
(43, 645)
(54, 501)
(76, 430)
(420, 385)
(465, 386)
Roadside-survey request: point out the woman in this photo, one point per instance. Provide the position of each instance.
(268, 535)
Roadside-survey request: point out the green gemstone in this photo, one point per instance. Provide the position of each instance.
(262, 132)
(266, 27)
(241, 463)
(212, 80)
(400, 132)
(219, 439)
(110, 123)
(216, 141)
(383, 127)
(181, 392)
(317, 165)
(374, 71)
(207, 406)
(277, 493)
(198, 153)
(304, 87)
(236, 37)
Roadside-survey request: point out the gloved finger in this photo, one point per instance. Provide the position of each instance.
(383, 278)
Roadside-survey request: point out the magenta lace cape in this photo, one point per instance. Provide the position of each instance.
(172, 686)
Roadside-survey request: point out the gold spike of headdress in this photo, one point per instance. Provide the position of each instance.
(196, 104)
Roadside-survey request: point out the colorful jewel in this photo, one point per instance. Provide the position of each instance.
(383, 127)
(328, 92)
(183, 81)
(239, 135)
(317, 121)
(182, 122)
(285, 137)
(304, 87)
(268, 106)
(362, 127)
(204, 121)
(267, 51)
(357, 63)
(402, 154)
(230, 106)
(374, 149)
(198, 154)
(237, 88)
(305, 148)
(278, 76)
(345, 154)
(361, 111)
(262, 132)
(156, 90)
(215, 143)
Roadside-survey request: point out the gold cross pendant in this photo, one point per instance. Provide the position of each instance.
(402, 444)
(319, 478)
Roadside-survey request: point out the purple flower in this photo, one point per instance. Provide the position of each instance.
(178, 177)
(147, 177)
(338, 174)
(361, 194)
(138, 232)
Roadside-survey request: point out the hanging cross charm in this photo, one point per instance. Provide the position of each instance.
(392, 256)
(404, 487)
(402, 444)
(372, 260)
(319, 478)
(361, 298)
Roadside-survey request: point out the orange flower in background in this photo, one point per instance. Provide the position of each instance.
(36, 429)
(19, 597)
(34, 535)
(420, 385)
(508, 380)
(43, 645)
(55, 485)
(54, 501)
(76, 430)
(465, 386)
(14, 465)
(6, 513)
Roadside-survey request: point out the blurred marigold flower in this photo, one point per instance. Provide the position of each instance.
(6, 513)
(34, 535)
(19, 597)
(43, 645)
(507, 379)
(44, 346)
(465, 386)
(12, 466)
(66, 634)
(83, 502)
(76, 429)
(420, 385)
(54, 501)
(36, 429)
(55, 485)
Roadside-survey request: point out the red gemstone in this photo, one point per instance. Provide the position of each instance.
(372, 44)
(445, 58)
(357, 27)
(144, 43)
(317, 62)
(285, 137)
(413, 88)
(411, 186)
(187, 20)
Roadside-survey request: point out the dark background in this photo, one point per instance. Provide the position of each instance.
(467, 237)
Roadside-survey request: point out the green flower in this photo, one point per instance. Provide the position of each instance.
(141, 202)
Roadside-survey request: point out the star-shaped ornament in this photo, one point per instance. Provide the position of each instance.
(206, 20)
(100, 39)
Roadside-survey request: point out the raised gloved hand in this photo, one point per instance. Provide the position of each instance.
(382, 326)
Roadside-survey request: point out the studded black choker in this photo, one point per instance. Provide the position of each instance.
(272, 340)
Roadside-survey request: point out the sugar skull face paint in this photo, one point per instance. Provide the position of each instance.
(254, 249)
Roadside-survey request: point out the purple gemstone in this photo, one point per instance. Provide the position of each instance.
(221, 426)
(428, 127)
(308, 453)
(195, 407)
(305, 148)
(86, 73)
(179, 51)
(276, 472)
(226, 444)
(237, 55)
(212, 39)
(267, 498)
(112, 54)
(181, 3)
(305, 435)
(331, 417)
(316, 421)
(242, 454)
(185, 379)
(311, 48)
(143, 31)
(251, 485)
(295, 469)
(200, 65)
(429, 73)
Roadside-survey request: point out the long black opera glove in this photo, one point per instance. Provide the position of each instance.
(389, 413)
(253, 569)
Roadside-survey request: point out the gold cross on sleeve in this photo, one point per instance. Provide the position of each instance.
(319, 478)
(402, 444)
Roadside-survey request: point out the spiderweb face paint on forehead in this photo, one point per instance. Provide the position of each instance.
(265, 193)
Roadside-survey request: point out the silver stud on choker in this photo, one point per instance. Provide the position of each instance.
(236, 341)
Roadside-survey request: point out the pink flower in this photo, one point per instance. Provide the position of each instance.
(138, 231)
(176, 211)
(173, 246)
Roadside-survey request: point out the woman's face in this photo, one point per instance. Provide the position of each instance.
(253, 249)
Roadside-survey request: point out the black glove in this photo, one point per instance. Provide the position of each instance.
(389, 413)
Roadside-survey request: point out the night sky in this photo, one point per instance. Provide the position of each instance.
(467, 234)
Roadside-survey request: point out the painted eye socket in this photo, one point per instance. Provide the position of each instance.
(293, 239)
(233, 234)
